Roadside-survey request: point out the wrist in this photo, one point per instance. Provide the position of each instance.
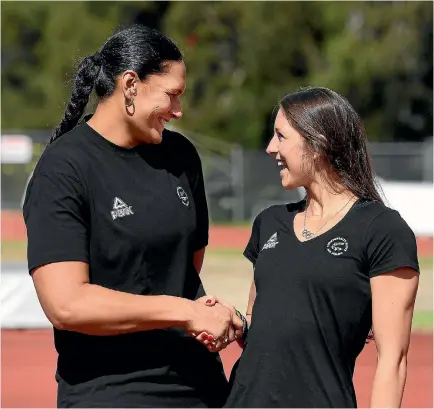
(180, 310)
(245, 325)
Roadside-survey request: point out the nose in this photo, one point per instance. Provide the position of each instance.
(176, 110)
(272, 148)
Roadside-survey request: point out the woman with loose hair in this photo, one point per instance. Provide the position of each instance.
(327, 269)
(117, 226)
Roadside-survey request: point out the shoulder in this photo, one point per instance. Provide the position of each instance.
(178, 144)
(384, 224)
(66, 155)
(278, 212)
(378, 215)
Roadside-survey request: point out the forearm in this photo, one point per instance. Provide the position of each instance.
(97, 310)
(388, 385)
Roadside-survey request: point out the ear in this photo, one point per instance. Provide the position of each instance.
(129, 84)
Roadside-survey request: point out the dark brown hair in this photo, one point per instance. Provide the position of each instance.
(333, 129)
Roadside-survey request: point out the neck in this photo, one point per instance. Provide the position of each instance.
(322, 200)
(109, 122)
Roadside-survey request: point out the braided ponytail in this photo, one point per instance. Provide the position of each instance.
(85, 79)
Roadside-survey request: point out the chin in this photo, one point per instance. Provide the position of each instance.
(156, 136)
(290, 184)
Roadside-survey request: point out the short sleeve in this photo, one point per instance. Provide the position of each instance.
(54, 213)
(391, 244)
(201, 205)
(251, 251)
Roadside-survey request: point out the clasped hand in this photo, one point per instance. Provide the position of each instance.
(217, 324)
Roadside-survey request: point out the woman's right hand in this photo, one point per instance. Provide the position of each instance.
(213, 324)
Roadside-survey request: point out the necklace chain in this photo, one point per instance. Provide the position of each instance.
(307, 234)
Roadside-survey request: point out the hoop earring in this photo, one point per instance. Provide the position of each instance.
(128, 104)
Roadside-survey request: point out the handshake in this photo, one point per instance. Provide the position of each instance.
(216, 324)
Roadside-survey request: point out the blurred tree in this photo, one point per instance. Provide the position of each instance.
(379, 54)
(241, 58)
(42, 43)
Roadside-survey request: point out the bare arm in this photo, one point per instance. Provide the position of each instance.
(393, 297)
(250, 303)
(252, 297)
(70, 302)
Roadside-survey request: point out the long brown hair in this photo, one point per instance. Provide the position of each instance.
(333, 129)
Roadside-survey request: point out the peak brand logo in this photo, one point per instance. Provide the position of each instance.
(271, 243)
(120, 209)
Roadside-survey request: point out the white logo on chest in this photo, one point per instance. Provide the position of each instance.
(120, 209)
(271, 243)
(182, 195)
(337, 246)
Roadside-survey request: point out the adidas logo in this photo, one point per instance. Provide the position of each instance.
(271, 243)
(120, 209)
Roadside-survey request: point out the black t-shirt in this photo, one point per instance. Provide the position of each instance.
(312, 312)
(136, 216)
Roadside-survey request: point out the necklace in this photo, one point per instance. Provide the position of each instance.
(307, 234)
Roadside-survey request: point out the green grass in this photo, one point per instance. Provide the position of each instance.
(426, 263)
(14, 251)
(423, 321)
(17, 251)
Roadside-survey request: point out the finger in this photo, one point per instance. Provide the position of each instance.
(231, 335)
(238, 333)
(223, 341)
(205, 338)
(211, 300)
(215, 347)
(212, 348)
(218, 344)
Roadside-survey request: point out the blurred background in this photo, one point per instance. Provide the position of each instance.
(241, 57)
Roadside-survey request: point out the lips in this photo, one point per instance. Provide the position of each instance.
(163, 121)
(281, 164)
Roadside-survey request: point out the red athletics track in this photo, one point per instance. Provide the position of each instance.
(29, 359)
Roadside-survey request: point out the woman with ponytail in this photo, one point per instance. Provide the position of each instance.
(117, 225)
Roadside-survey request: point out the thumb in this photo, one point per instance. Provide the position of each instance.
(211, 300)
(237, 323)
(208, 300)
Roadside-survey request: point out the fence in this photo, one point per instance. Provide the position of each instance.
(239, 183)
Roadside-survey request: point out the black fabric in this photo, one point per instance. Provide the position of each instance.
(136, 216)
(312, 312)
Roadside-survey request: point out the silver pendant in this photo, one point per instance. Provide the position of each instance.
(307, 234)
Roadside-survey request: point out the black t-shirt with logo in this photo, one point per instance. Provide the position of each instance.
(313, 312)
(136, 216)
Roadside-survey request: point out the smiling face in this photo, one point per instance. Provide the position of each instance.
(156, 101)
(289, 149)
